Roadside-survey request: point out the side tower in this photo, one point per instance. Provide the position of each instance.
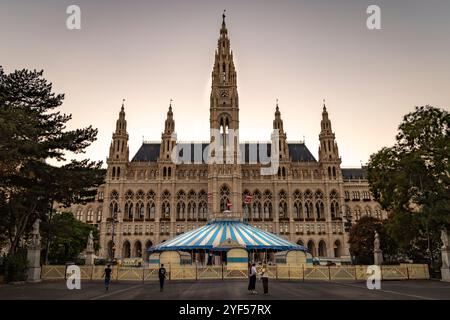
(330, 164)
(328, 149)
(118, 151)
(224, 175)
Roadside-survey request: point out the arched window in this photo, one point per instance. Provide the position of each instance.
(309, 205)
(320, 207)
(257, 207)
(312, 248)
(322, 249)
(192, 205)
(283, 212)
(224, 198)
(165, 205)
(357, 213)
(334, 205)
(148, 245)
(140, 211)
(90, 215)
(181, 205)
(298, 207)
(268, 208)
(126, 249)
(137, 249)
(337, 249)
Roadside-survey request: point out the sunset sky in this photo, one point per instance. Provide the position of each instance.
(297, 51)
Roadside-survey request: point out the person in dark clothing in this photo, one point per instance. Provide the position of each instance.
(162, 276)
(265, 280)
(252, 279)
(107, 275)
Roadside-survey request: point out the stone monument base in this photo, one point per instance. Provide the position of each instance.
(34, 275)
(378, 257)
(89, 259)
(445, 270)
(34, 269)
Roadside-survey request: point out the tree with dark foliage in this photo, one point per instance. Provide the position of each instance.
(412, 181)
(33, 131)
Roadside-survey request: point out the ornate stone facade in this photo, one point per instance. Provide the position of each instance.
(156, 199)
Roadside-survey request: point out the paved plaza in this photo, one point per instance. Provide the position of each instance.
(230, 290)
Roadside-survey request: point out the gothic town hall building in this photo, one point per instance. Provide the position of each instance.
(153, 199)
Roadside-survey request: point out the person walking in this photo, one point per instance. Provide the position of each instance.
(162, 276)
(107, 275)
(252, 279)
(249, 270)
(265, 280)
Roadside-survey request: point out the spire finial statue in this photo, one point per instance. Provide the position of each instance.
(123, 105)
(223, 16)
(277, 104)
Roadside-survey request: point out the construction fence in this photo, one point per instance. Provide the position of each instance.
(305, 273)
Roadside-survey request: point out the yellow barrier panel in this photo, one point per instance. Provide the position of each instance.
(235, 273)
(209, 273)
(86, 272)
(342, 273)
(418, 271)
(182, 273)
(394, 273)
(130, 274)
(272, 272)
(361, 272)
(151, 274)
(49, 272)
(317, 273)
(189, 272)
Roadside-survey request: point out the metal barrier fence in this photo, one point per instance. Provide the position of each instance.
(332, 273)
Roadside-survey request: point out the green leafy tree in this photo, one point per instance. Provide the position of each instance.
(411, 180)
(32, 132)
(361, 240)
(67, 236)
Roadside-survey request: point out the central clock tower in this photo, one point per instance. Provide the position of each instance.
(224, 174)
(224, 103)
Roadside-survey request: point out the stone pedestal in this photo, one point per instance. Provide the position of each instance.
(445, 269)
(34, 265)
(34, 254)
(89, 258)
(378, 257)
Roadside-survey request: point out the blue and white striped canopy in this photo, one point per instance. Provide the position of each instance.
(211, 235)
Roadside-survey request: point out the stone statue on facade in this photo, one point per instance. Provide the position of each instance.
(90, 243)
(376, 242)
(377, 252)
(445, 255)
(90, 250)
(444, 238)
(34, 254)
(34, 242)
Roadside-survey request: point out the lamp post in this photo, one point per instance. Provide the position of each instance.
(113, 220)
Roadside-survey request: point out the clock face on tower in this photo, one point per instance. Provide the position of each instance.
(224, 93)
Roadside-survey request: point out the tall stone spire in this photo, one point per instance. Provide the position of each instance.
(328, 149)
(224, 100)
(119, 150)
(168, 136)
(278, 125)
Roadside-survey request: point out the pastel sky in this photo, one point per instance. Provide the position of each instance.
(297, 51)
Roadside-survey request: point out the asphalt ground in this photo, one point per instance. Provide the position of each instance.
(229, 290)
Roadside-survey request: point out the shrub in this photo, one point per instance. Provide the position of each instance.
(16, 266)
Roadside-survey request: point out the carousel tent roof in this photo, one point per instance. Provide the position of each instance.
(211, 235)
